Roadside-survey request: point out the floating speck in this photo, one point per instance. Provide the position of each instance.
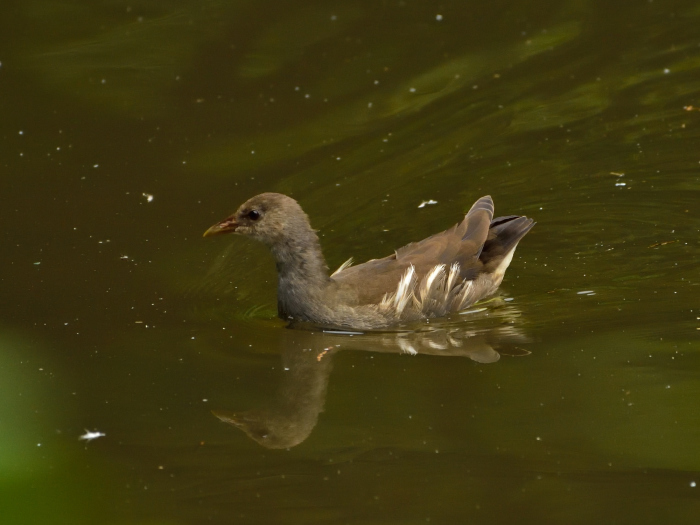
(438, 18)
(90, 435)
(429, 202)
(149, 197)
(620, 184)
(693, 484)
(586, 292)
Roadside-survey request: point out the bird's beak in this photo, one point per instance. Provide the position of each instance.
(228, 225)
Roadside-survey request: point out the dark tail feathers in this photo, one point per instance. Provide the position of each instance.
(504, 235)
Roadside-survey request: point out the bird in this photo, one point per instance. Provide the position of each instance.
(444, 273)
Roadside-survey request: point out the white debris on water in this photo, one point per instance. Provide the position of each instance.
(429, 202)
(91, 434)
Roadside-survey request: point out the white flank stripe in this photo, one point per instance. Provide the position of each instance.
(451, 278)
(467, 289)
(430, 278)
(403, 291)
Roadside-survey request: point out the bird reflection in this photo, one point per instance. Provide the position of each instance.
(293, 413)
(307, 361)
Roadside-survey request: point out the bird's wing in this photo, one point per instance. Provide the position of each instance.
(460, 244)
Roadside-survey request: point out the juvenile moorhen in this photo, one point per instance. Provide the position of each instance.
(444, 273)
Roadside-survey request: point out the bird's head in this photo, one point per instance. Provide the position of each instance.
(269, 217)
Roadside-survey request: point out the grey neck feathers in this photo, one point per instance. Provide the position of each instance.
(302, 271)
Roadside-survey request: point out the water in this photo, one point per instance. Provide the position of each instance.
(128, 129)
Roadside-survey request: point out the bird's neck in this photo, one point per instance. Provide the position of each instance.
(302, 273)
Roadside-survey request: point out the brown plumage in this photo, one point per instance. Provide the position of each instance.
(444, 273)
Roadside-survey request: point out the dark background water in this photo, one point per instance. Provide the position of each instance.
(128, 128)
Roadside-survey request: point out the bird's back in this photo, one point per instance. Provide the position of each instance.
(472, 251)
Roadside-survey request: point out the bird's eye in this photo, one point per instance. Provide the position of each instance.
(253, 215)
